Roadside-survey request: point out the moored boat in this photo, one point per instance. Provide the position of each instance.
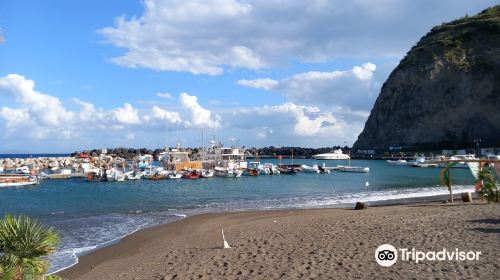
(287, 170)
(133, 175)
(174, 175)
(400, 162)
(227, 172)
(156, 176)
(207, 174)
(194, 174)
(17, 181)
(333, 155)
(310, 169)
(353, 169)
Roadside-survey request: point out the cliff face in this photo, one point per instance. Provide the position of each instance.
(446, 91)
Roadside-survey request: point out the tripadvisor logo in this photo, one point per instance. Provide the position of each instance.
(387, 255)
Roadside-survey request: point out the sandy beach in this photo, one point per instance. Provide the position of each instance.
(305, 244)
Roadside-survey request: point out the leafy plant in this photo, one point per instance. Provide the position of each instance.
(445, 177)
(23, 245)
(489, 188)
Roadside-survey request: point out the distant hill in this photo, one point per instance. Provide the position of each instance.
(446, 91)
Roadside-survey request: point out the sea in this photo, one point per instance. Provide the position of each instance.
(90, 215)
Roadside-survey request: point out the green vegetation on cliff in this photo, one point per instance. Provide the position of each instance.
(446, 91)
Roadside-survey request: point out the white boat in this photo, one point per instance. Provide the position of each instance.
(23, 170)
(144, 161)
(333, 155)
(226, 162)
(207, 174)
(400, 162)
(264, 170)
(174, 175)
(461, 164)
(133, 175)
(354, 169)
(310, 169)
(17, 181)
(227, 172)
(114, 174)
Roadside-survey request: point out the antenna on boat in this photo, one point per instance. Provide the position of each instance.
(226, 245)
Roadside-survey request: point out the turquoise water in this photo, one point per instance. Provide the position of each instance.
(91, 214)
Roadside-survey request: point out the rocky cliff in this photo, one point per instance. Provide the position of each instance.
(446, 91)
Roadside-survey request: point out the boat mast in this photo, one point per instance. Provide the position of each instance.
(166, 133)
(201, 147)
(349, 152)
(177, 136)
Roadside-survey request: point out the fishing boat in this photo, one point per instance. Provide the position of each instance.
(156, 176)
(264, 170)
(17, 180)
(227, 172)
(133, 175)
(114, 174)
(251, 172)
(95, 175)
(144, 162)
(193, 174)
(252, 169)
(333, 155)
(287, 170)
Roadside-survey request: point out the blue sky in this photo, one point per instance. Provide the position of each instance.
(90, 74)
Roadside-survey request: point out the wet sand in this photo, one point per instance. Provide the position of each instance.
(304, 244)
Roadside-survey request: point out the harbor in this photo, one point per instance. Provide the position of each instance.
(92, 214)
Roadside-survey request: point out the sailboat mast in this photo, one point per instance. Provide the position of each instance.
(166, 133)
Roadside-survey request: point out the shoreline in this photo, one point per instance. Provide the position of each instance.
(169, 236)
(350, 205)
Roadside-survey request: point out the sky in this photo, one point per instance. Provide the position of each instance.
(89, 74)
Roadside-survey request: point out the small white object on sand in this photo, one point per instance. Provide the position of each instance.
(226, 245)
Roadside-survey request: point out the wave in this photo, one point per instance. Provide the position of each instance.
(85, 234)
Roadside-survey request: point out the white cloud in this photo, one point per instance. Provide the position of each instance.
(172, 117)
(165, 95)
(200, 117)
(88, 111)
(267, 84)
(204, 37)
(126, 114)
(14, 117)
(47, 109)
(351, 88)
